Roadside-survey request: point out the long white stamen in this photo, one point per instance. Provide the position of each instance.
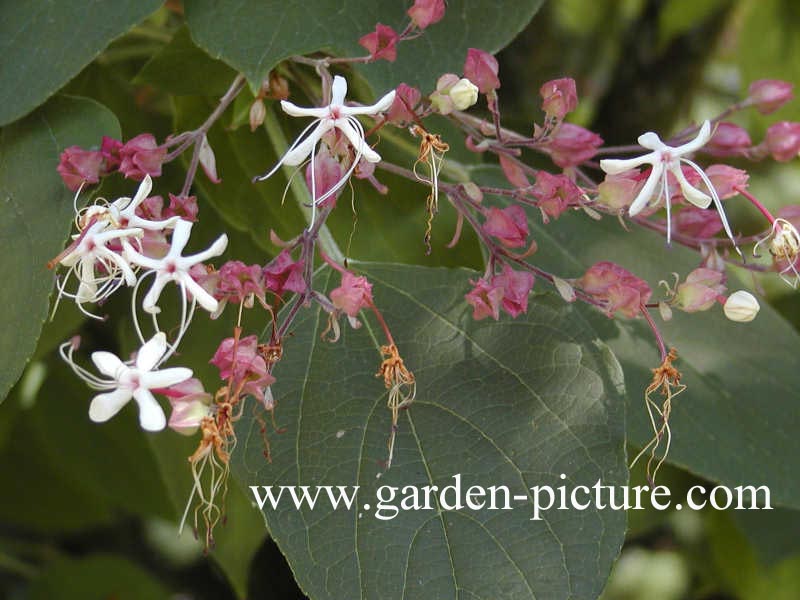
(717, 202)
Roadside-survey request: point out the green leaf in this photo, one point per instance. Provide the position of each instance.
(514, 403)
(112, 460)
(45, 498)
(38, 216)
(253, 36)
(94, 578)
(45, 44)
(736, 423)
(182, 68)
(773, 533)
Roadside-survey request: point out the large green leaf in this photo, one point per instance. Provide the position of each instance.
(737, 420)
(184, 69)
(44, 44)
(37, 216)
(514, 403)
(254, 35)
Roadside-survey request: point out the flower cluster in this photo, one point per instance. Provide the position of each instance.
(121, 244)
(137, 158)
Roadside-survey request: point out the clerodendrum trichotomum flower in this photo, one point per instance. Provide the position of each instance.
(335, 116)
(125, 380)
(664, 160)
(175, 267)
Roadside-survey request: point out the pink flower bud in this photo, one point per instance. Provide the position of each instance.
(243, 362)
(618, 192)
(481, 68)
(184, 207)
(516, 287)
(700, 290)
(509, 225)
(190, 404)
(726, 179)
(283, 274)
(426, 12)
(555, 193)
(110, 151)
(485, 299)
(151, 208)
(327, 173)
(697, 222)
(559, 97)
(783, 140)
(352, 295)
(728, 140)
(141, 156)
(768, 95)
(513, 172)
(617, 288)
(571, 145)
(78, 166)
(239, 282)
(406, 99)
(381, 43)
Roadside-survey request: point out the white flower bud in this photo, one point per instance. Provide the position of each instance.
(741, 307)
(464, 94)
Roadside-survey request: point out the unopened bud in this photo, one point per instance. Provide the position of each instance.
(257, 113)
(464, 94)
(208, 161)
(741, 307)
(768, 95)
(278, 87)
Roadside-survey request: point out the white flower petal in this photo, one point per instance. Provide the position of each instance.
(691, 193)
(180, 237)
(164, 378)
(698, 142)
(151, 352)
(380, 106)
(647, 191)
(651, 141)
(338, 90)
(203, 298)
(615, 166)
(150, 302)
(144, 189)
(300, 150)
(108, 364)
(217, 248)
(151, 415)
(358, 142)
(105, 406)
(299, 111)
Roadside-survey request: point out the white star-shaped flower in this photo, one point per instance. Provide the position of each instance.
(334, 116)
(664, 160)
(175, 267)
(98, 269)
(125, 380)
(123, 210)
